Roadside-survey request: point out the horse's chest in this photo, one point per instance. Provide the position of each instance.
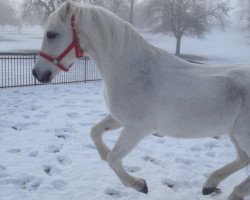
(128, 101)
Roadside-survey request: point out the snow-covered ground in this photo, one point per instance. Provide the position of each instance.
(229, 47)
(30, 38)
(46, 152)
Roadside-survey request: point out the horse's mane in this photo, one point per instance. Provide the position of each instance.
(115, 31)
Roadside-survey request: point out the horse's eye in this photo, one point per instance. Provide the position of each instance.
(51, 35)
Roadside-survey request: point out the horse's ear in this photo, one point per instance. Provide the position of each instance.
(65, 9)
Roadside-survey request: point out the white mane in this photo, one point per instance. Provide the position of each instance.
(115, 31)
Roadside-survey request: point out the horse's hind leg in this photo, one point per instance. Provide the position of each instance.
(219, 175)
(97, 131)
(240, 191)
(128, 139)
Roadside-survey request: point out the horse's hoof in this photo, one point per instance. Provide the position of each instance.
(207, 191)
(143, 187)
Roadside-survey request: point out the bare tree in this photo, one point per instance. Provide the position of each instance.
(132, 5)
(245, 13)
(38, 10)
(7, 14)
(119, 7)
(186, 17)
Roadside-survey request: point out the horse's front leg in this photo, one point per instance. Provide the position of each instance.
(128, 139)
(97, 131)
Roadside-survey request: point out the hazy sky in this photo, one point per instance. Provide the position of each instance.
(234, 2)
(17, 3)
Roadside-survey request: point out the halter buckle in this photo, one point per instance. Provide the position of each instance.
(56, 62)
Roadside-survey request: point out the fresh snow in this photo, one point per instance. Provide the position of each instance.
(46, 151)
(229, 47)
(30, 38)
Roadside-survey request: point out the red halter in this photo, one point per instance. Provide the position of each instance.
(74, 45)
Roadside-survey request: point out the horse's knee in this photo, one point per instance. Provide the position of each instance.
(95, 132)
(243, 157)
(113, 160)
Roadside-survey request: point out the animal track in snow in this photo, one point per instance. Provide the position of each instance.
(211, 145)
(33, 154)
(26, 116)
(50, 170)
(113, 193)
(86, 124)
(65, 130)
(3, 175)
(62, 136)
(154, 161)
(87, 101)
(35, 184)
(176, 185)
(15, 150)
(73, 115)
(96, 111)
(34, 108)
(90, 146)
(196, 149)
(24, 182)
(211, 154)
(2, 168)
(63, 160)
(42, 116)
(54, 148)
(184, 161)
(170, 183)
(132, 168)
(24, 126)
(59, 184)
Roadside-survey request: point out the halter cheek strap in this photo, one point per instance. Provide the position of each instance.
(74, 45)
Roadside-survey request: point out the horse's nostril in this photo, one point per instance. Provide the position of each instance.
(34, 73)
(48, 74)
(47, 77)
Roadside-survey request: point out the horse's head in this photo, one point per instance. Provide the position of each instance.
(61, 45)
(102, 37)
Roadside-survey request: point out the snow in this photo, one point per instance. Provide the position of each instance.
(46, 151)
(30, 38)
(229, 47)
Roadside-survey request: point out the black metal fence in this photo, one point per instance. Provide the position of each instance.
(16, 71)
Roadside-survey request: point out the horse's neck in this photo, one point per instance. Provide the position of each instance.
(133, 50)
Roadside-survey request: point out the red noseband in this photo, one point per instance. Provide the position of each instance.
(74, 45)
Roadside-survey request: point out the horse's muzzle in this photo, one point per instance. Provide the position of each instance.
(44, 77)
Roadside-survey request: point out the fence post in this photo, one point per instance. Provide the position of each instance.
(85, 69)
(34, 56)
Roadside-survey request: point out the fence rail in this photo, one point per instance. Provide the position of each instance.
(16, 71)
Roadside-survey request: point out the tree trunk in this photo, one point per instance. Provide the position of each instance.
(132, 11)
(178, 46)
(19, 28)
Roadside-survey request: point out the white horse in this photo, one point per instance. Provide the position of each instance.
(147, 89)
